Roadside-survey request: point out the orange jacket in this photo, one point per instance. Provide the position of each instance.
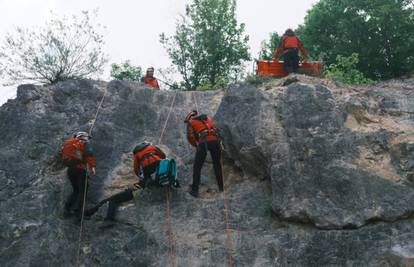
(84, 149)
(201, 129)
(290, 41)
(146, 157)
(151, 81)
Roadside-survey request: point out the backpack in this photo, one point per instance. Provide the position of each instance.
(167, 173)
(71, 152)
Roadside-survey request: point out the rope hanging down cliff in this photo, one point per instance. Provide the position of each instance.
(226, 213)
(168, 195)
(86, 182)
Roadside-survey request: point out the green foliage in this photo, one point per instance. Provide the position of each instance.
(380, 31)
(62, 49)
(209, 45)
(268, 47)
(256, 80)
(126, 71)
(344, 70)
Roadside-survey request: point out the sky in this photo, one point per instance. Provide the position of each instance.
(133, 26)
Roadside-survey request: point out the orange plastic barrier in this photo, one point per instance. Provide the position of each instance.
(275, 69)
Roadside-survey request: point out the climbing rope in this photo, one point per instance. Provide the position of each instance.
(168, 195)
(86, 183)
(226, 209)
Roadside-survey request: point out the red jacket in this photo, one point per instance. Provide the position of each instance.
(146, 157)
(201, 129)
(84, 149)
(151, 81)
(290, 41)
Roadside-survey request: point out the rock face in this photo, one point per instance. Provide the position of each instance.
(317, 174)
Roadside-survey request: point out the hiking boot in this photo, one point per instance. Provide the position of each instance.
(107, 223)
(193, 193)
(67, 213)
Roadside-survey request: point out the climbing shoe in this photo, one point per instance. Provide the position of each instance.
(193, 193)
(107, 223)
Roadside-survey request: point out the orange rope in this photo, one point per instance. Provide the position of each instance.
(168, 196)
(226, 209)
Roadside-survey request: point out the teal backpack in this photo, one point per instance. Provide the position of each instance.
(167, 173)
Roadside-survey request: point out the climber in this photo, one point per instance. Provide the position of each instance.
(290, 45)
(146, 157)
(150, 79)
(203, 134)
(77, 155)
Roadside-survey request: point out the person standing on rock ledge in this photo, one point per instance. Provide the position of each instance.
(77, 155)
(203, 134)
(290, 45)
(150, 80)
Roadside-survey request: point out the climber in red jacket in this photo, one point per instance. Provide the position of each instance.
(150, 80)
(146, 157)
(290, 45)
(203, 134)
(77, 155)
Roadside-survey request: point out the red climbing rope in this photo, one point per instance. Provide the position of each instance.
(168, 196)
(226, 209)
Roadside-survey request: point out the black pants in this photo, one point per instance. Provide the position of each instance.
(215, 150)
(291, 61)
(127, 195)
(117, 200)
(77, 178)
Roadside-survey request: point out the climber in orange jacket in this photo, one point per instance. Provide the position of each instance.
(290, 45)
(146, 158)
(150, 79)
(77, 155)
(203, 134)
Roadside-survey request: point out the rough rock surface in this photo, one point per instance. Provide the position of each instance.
(317, 174)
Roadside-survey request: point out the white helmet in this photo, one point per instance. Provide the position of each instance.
(82, 136)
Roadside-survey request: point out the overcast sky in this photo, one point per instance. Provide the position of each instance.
(134, 26)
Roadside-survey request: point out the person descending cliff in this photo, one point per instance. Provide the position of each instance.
(203, 134)
(150, 80)
(290, 45)
(147, 159)
(77, 155)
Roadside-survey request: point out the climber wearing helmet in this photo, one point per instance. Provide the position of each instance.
(150, 80)
(203, 134)
(146, 158)
(290, 45)
(77, 155)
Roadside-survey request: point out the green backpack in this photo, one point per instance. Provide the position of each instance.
(167, 173)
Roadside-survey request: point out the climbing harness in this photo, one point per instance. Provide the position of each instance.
(226, 209)
(86, 183)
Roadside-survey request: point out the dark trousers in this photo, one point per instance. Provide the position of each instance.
(215, 150)
(127, 195)
(291, 61)
(77, 178)
(117, 200)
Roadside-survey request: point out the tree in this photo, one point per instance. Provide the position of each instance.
(62, 49)
(126, 71)
(380, 31)
(344, 70)
(209, 46)
(268, 47)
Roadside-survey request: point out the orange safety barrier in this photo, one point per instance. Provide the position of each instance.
(269, 68)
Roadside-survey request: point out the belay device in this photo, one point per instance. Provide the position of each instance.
(167, 173)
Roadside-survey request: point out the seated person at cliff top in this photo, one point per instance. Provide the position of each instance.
(150, 79)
